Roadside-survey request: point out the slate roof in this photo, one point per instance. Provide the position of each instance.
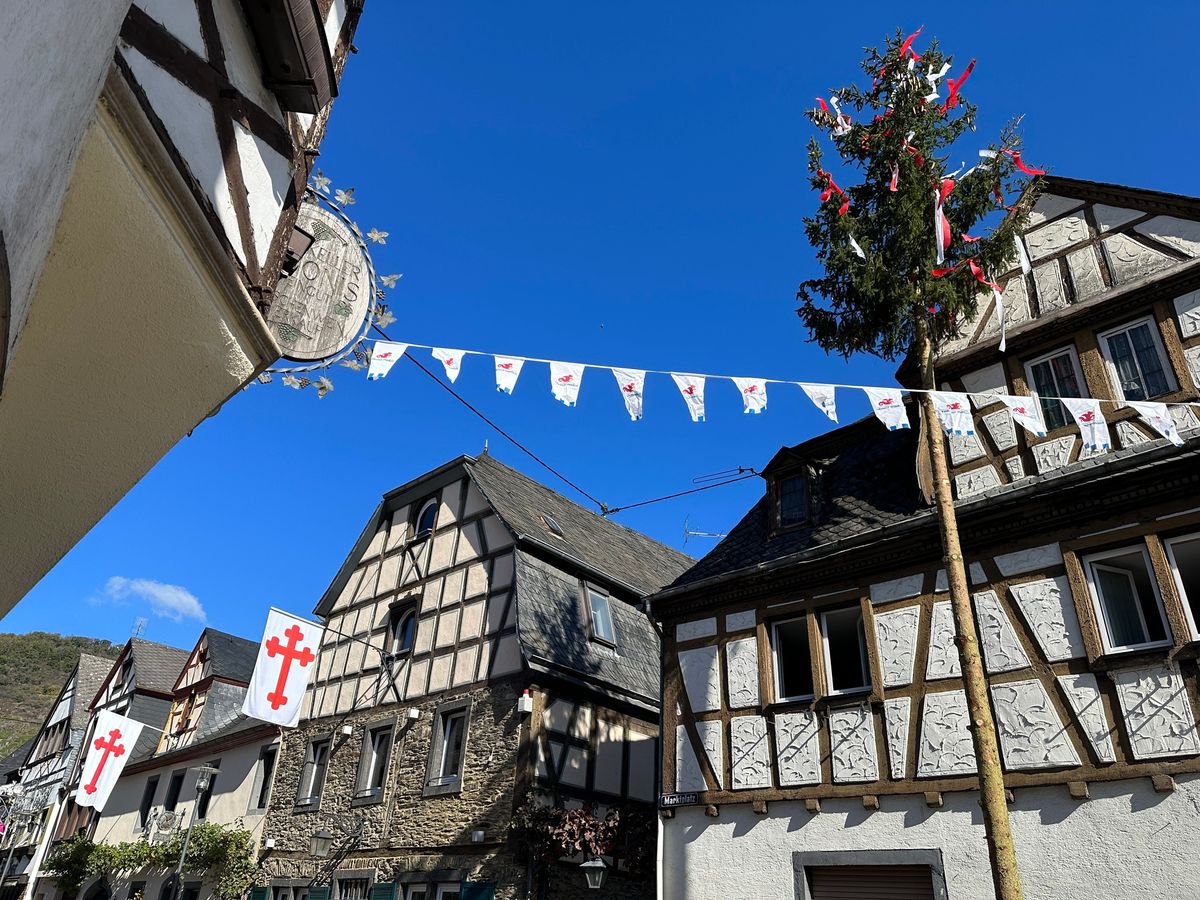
(11, 763)
(230, 656)
(89, 676)
(157, 666)
(866, 479)
(624, 555)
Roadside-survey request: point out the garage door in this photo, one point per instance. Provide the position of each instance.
(870, 882)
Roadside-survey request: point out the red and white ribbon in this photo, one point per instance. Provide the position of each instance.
(932, 78)
(754, 394)
(982, 279)
(1026, 412)
(691, 388)
(831, 188)
(451, 359)
(955, 86)
(508, 370)
(1158, 417)
(1090, 419)
(565, 379)
(383, 356)
(941, 225)
(823, 396)
(888, 406)
(954, 412)
(841, 121)
(632, 383)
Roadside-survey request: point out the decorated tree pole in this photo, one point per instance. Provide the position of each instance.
(902, 270)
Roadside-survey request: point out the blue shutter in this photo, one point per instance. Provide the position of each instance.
(386, 891)
(478, 890)
(320, 892)
(260, 893)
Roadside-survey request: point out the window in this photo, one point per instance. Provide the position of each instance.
(1128, 607)
(793, 659)
(426, 518)
(402, 630)
(147, 803)
(1184, 555)
(353, 888)
(845, 644)
(372, 767)
(449, 891)
(447, 749)
(204, 797)
(600, 617)
(417, 892)
(174, 786)
(793, 500)
(1055, 375)
(552, 526)
(312, 777)
(264, 777)
(1136, 360)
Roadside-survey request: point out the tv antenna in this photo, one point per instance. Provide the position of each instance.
(139, 625)
(688, 533)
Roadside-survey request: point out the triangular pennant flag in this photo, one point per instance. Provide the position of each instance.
(631, 382)
(383, 356)
(1158, 417)
(113, 741)
(1026, 412)
(692, 389)
(451, 359)
(822, 395)
(754, 394)
(954, 412)
(1091, 422)
(282, 671)
(565, 379)
(508, 369)
(888, 406)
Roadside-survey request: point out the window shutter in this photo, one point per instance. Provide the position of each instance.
(478, 890)
(870, 882)
(320, 892)
(385, 891)
(260, 893)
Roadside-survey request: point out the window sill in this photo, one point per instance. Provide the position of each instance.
(312, 804)
(848, 698)
(372, 799)
(436, 789)
(1127, 656)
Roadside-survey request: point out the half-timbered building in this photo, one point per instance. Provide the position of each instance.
(484, 641)
(815, 731)
(151, 167)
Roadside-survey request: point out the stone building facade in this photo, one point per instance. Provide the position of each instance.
(814, 721)
(483, 639)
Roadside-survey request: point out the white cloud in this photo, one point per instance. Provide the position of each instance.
(171, 601)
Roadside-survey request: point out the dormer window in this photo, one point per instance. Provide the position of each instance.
(402, 630)
(791, 500)
(426, 519)
(600, 617)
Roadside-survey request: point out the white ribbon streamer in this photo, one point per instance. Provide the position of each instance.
(823, 396)
(933, 79)
(508, 370)
(954, 412)
(565, 379)
(383, 356)
(632, 383)
(888, 406)
(857, 249)
(754, 394)
(1022, 255)
(451, 359)
(1090, 420)
(1158, 417)
(691, 388)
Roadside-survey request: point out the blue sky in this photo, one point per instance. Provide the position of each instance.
(616, 183)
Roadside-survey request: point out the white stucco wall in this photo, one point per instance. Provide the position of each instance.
(53, 67)
(1126, 841)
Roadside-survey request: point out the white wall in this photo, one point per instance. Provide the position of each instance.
(52, 67)
(1126, 841)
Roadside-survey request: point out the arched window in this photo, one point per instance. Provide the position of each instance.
(403, 630)
(426, 518)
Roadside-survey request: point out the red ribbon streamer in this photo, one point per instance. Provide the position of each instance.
(906, 48)
(975, 270)
(1016, 158)
(952, 97)
(830, 189)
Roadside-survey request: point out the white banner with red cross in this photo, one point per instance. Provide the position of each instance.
(111, 746)
(286, 660)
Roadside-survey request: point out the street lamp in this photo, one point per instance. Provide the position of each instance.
(596, 873)
(322, 840)
(204, 776)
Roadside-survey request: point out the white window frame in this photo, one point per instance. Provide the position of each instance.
(1068, 349)
(1111, 367)
(1169, 545)
(402, 613)
(1101, 613)
(370, 756)
(862, 647)
(593, 633)
(417, 530)
(779, 697)
(450, 888)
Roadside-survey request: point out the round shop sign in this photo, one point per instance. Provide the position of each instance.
(319, 309)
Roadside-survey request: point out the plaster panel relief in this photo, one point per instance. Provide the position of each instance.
(852, 744)
(1047, 608)
(701, 678)
(1158, 716)
(968, 484)
(741, 669)
(1053, 454)
(1085, 273)
(700, 628)
(964, 448)
(1000, 426)
(1015, 468)
(1002, 651)
(1130, 435)
(1192, 356)
(1052, 295)
(1110, 217)
(711, 739)
(896, 714)
(740, 621)
(1187, 310)
(1016, 308)
(1182, 234)
(975, 575)
(1083, 694)
(945, 747)
(798, 748)
(1132, 260)
(1032, 735)
(688, 778)
(1029, 560)
(943, 654)
(1050, 205)
(897, 588)
(1185, 419)
(896, 639)
(749, 755)
(989, 381)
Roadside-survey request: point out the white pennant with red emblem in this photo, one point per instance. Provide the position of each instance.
(632, 383)
(112, 743)
(1026, 412)
(888, 406)
(754, 394)
(1090, 420)
(1158, 417)
(823, 396)
(565, 379)
(954, 412)
(286, 660)
(451, 359)
(691, 388)
(383, 356)
(508, 369)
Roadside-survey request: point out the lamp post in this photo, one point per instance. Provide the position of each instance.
(596, 873)
(204, 776)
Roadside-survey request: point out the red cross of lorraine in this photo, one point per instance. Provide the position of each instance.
(110, 748)
(304, 656)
